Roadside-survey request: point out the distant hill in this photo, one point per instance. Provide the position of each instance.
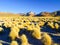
(8, 14)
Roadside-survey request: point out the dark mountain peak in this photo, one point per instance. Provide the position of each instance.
(56, 13)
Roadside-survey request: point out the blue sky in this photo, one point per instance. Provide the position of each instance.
(24, 6)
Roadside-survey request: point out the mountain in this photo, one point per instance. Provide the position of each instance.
(30, 13)
(44, 14)
(49, 14)
(56, 13)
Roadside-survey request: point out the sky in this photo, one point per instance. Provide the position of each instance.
(24, 6)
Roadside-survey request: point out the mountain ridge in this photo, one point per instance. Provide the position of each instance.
(55, 13)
